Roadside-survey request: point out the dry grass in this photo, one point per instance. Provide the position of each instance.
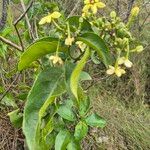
(127, 128)
(10, 138)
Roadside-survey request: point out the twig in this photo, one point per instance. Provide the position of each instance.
(8, 42)
(21, 16)
(118, 6)
(74, 9)
(19, 19)
(141, 26)
(36, 29)
(27, 20)
(8, 89)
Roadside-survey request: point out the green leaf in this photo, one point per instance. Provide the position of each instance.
(49, 83)
(59, 124)
(84, 105)
(50, 140)
(37, 50)
(16, 118)
(73, 145)
(48, 128)
(62, 140)
(84, 76)
(77, 22)
(95, 58)
(66, 112)
(45, 106)
(95, 42)
(9, 101)
(95, 120)
(81, 131)
(76, 73)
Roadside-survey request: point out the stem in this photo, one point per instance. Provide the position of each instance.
(116, 64)
(68, 29)
(10, 43)
(57, 25)
(128, 51)
(57, 47)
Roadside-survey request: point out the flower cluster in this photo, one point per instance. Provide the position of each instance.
(56, 60)
(92, 5)
(117, 35)
(112, 30)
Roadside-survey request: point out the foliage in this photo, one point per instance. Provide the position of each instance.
(57, 108)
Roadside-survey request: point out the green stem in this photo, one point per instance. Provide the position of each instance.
(116, 64)
(128, 50)
(57, 50)
(68, 30)
(57, 25)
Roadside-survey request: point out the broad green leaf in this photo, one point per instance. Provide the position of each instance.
(81, 131)
(84, 105)
(95, 120)
(66, 112)
(16, 118)
(95, 42)
(49, 83)
(73, 145)
(76, 73)
(37, 50)
(84, 76)
(62, 140)
(77, 22)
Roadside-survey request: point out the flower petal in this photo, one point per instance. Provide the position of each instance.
(86, 8)
(118, 72)
(55, 15)
(86, 1)
(94, 9)
(121, 60)
(128, 63)
(100, 5)
(43, 21)
(111, 70)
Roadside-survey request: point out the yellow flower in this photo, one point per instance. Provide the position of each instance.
(92, 5)
(69, 41)
(81, 45)
(56, 59)
(125, 61)
(50, 17)
(117, 70)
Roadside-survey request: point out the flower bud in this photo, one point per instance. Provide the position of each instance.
(135, 11)
(113, 14)
(81, 20)
(139, 48)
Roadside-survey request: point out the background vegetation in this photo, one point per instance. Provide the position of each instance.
(123, 102)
